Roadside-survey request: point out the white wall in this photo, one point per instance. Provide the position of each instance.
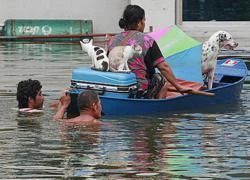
(104, 13)
(159, 13)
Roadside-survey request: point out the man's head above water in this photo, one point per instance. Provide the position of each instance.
(29, 94)
(90, 103)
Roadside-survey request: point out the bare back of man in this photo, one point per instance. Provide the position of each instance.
(83, 120)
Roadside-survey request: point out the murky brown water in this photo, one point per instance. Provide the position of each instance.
(203, 145)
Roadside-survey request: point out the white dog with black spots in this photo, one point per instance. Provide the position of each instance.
(210, 51)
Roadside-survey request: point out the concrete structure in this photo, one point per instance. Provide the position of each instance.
(159, 13)
(203, 30)
(106, 14)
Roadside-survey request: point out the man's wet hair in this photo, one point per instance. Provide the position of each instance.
(25, 89)
(86, 99)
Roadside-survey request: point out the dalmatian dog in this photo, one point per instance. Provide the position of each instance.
(210, 51)
(119, 56)
(98, 55)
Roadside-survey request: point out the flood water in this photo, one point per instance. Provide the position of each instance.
(214, 144)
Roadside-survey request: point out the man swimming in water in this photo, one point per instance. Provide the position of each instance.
(30, 99)
(89, 105)
(29, 95)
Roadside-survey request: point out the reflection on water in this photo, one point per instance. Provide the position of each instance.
(210, 144)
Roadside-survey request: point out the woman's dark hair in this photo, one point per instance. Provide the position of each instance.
(86, 99)
(131, 16)
(25, 89)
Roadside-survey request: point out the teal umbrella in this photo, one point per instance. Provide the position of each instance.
(182, 52)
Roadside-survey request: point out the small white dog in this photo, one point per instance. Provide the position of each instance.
(210, 51)
(119, 56)
(98, 55)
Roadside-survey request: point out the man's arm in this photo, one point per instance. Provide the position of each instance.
(62, 106)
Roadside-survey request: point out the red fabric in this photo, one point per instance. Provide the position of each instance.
(183, 83)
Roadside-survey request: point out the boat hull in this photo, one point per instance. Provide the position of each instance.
(124, 106)
(227, 90)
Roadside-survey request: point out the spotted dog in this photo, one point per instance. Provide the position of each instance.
(210, 51)
(119, 56)
(98, 55)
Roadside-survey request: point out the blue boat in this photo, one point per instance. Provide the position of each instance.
(114, 90)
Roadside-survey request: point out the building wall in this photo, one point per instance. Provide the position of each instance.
(104, 13)
(159, 13)
(202, 30)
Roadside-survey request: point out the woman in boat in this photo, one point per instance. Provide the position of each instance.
(151, 84)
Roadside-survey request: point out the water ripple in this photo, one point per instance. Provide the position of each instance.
(213, 144)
